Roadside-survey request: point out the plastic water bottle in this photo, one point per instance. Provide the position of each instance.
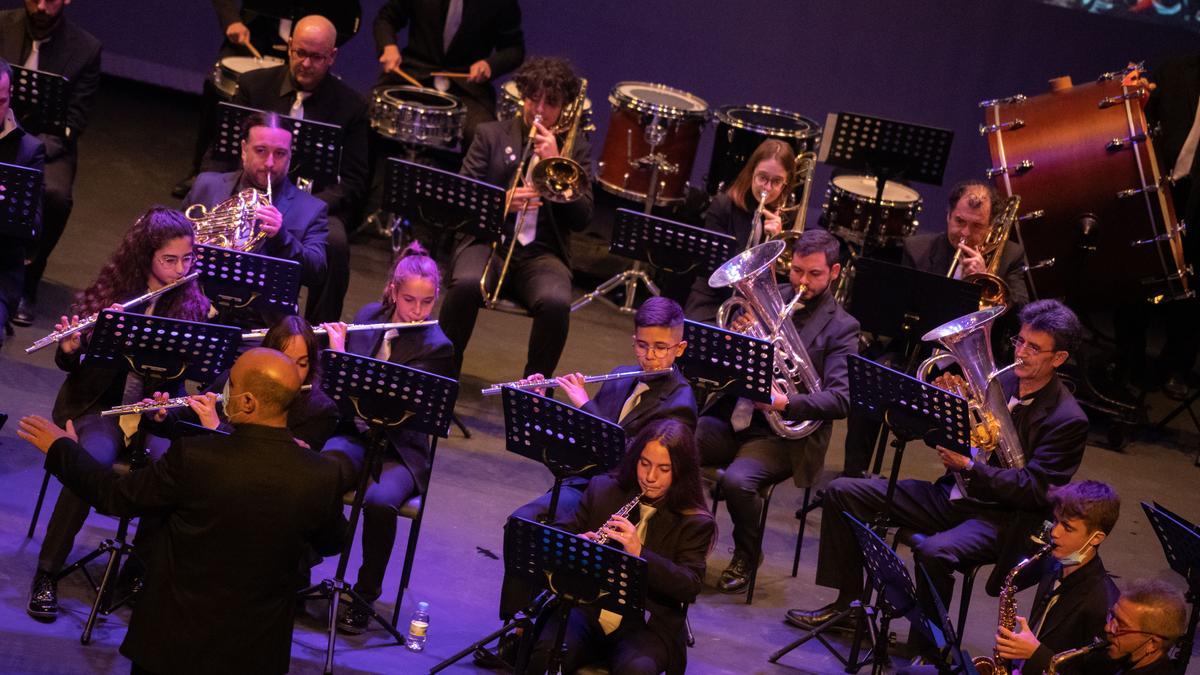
(418, 627)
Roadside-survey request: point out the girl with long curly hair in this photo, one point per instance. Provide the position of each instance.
(156, 251)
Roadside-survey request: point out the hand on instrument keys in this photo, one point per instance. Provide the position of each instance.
(336, 332)
(772, 223)
(70, 344)
(205, 407)
(269, 219)
(1019, 645)
(238, 33)
(952, 383)
(971, 261)
(42, 433)
(952, 460)
(480, 72)
(535, 377)
(545, 145)
(572, 384)
(741, 323)
(390, 59)
(159, 397)
(623, 532)
(524, 197)
(779, 400)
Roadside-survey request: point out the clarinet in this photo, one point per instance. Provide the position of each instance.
(601, 534)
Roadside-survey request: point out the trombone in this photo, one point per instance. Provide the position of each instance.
(806, 167)
(558, 179)
(995, 290)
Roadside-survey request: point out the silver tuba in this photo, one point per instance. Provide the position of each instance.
(969, 342)
(752, 276)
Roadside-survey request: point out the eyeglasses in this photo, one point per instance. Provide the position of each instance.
(656, 351)
(174, 260)
(1113, 620)
(771, 181)
(316, 58)
(1018, 342)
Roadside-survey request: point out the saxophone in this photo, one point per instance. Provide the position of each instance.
(994, 665)
(1062, 657)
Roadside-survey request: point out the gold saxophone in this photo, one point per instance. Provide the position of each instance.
(1062, 657)
(994, 665)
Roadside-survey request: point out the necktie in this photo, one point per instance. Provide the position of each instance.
(743, 413)
(31, 63)
(610, 620)
(385, 347)
(632, 401)
(527, 225)
(1053, 599)
(1183, 164)
(453, 21)
(297, 110)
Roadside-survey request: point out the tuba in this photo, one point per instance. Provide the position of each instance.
(233, 223)
(751, 274)
(968, 340)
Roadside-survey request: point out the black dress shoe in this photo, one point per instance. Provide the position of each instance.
(504, 657)
(736, 576)
(26, 313)
(43, 597)
(1175, 387)
(813, 618)
(355, 620)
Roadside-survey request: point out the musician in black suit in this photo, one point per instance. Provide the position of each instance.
(979, 511)
(483, 39)
(41, 37)
(1075, 592)
(734, 433)
(306, 88)
(21, 148)
(1144, 625)
(241, 512)
(539, 276)
(409, 296)
(671, 528)
(296, 223)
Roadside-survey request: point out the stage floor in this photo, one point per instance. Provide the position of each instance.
(136, 148)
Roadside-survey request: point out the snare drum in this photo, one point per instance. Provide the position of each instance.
(229, 70)
(742, 128)
(417, 115)
(650, 116)
(511, 102)
(850, 211)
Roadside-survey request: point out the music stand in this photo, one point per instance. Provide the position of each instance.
(39, 100)
(20, 202)
(1181, 546)
(236, 281)
(719, 360)
(455, 202)
(666, 244)
(316, 146)
(576, 571)
(388, 397)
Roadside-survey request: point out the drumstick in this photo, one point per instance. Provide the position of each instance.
(406, 76)
(447, 74)
(253, 51)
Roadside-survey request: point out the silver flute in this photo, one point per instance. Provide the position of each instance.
(177, 402)
(522, 385)
(350, 328)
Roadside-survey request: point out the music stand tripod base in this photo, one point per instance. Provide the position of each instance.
(629, 279)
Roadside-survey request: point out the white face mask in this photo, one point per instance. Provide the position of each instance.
(226, 401)
(1076, 557)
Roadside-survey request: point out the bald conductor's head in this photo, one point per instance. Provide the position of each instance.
(262, 384)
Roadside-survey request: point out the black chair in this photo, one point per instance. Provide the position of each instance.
(414, 510)
(912, 539)
(713, 475)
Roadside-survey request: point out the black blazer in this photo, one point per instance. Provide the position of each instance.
(669, 397)
(426, 349)
(332, 102)
(493, 157)
(675, 551)
(239, 515)
(1077, 617)
(24, 149)
(932, 253)
(490, 31)
(69, 51)
(725, 217)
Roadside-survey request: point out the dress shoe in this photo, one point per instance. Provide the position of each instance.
(183, 187)
(737, 575)
(26, 313)
(504, 657)
(355, 620)
(1175, 387)
(43, 597)
(812, 618)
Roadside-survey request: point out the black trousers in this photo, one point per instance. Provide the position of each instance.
(517, 593)
(325, 300)
(629, 650)
(536, 278)
(12, 278)
(57, 201)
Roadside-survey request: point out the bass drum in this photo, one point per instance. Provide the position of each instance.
(849, 212)
(510, 104)
(229, 70)
(1095, 225)
(742, 128)
(416, 115)
(651, 118)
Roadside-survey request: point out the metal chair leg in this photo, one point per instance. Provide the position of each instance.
(414, 531)
(762, 529)
(37, 509)
(802, 515)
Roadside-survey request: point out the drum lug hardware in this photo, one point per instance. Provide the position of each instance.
(1133, 192)
(1120, 144)
(1158, 239)
(1032, 215)
(1016, 169)
(1120, 74)
(625, 180)
(1048, 262)
(1121, 98)
(1019, 98)
(1013, 125)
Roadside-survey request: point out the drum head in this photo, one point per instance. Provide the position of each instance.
(239, 65)
(660, 99)
(769, 121)
(864, 186)
(414, 97)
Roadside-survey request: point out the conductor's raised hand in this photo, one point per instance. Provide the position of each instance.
(42, 433)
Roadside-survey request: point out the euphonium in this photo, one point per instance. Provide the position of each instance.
(968, 340)
(751, 274)
(233, 223)
(601, 535)
(994, 665)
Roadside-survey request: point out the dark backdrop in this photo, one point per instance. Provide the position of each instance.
(924, 61)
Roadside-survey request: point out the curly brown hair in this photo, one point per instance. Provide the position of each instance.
(551, 76)
(125, 274)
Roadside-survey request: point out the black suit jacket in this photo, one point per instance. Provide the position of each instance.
(426, 349)
(669, 397)
(490, 31)
(239, 515)
(1077, 617)
(332, 102)
(725, 217)
(24, 149)
(675, 550)
(932, 253)
(69, 51)
(493, 157)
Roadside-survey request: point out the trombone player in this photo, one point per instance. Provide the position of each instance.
(539, 273)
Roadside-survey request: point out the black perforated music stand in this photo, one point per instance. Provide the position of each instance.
(1181, 545)
(316, 146)
(901, 302)
(456, 203)
(567, 440)
(237, 280)
(162, 349)
(577, 571)
(39, 100)
(388, 397)
(20, 202)
(722, 361)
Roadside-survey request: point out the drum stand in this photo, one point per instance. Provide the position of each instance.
(657, 163)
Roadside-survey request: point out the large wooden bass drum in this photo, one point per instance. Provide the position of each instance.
(1097, 222)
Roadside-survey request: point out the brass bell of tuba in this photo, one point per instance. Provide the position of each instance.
(231, 224)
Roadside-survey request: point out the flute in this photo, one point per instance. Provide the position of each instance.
(177, 402)
(350, 328)
(91, 320)
(587, 379)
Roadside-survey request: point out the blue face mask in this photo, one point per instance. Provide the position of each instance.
(1076, 557)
